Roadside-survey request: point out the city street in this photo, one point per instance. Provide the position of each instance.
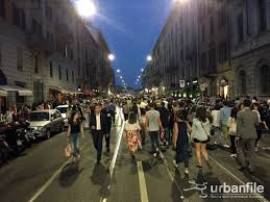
(193, 76)
(43, 174)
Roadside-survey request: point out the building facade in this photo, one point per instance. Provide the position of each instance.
(218, 48)
(47, 51)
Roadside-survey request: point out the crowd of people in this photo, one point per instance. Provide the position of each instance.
(234, 125)
(167, 123)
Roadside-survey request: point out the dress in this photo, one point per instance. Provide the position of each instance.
(132, 136)
(182, 143)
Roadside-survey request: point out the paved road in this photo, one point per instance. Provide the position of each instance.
(44, 172)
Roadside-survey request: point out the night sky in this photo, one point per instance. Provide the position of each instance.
(131, 28)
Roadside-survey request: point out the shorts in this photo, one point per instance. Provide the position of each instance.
(202, 142)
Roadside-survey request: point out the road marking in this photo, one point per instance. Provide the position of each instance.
(260, 197)
(142, 183)
(50, 180)
(171, 175)
(116, 150)
(48, 183)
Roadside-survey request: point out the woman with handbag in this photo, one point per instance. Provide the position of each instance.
(75, 129)
(201, 135)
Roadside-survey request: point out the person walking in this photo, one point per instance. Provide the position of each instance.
(225, 113)
(142, 122)
(75, 130)
(107, 111)
(247, 120)
(216, 124)
(131, 133)
(98, 125)
(165, 118)
(232, 125)
(201, 135)
(260, 127)
(181, 140)
(154, 126)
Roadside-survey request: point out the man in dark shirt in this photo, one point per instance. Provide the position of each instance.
(98, 126)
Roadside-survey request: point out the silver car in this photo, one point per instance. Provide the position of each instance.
(45, 122)
(64, 110)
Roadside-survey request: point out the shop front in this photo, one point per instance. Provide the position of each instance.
(11, 94)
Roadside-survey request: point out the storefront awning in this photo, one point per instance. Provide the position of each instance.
(21, 91)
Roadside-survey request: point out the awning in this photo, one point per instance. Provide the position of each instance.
(21, 91)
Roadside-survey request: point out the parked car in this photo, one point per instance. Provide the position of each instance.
(64, 110)
(46, 122)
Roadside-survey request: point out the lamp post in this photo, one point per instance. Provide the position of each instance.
(86, 8)
(111, 57)
(149, 58)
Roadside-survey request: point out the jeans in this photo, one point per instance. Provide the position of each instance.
(154, 140)
(75, 144)
(168, 135)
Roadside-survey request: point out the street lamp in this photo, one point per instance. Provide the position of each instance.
(142, 69)
(121, 77)
(149, 58)
(180, 1)
(86, 8)
(118, 70)
(111, 57)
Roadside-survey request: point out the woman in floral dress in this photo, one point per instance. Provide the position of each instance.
(132, 132)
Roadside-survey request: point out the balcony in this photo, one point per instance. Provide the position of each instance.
(37, 42)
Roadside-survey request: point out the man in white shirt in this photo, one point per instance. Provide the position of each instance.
(154, 125)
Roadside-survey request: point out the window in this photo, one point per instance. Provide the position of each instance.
(36, 27)
(212, 60)
(48, 12)
(243, 83)
(19, 58)
(59, 72)
(67, 74)
(203, 61)
(36, 64)
(264, 78)
(22, 23)
(15, 15)
(51, 69)
(72, 75)
(2, 9)
(262, 15)
(212, 26)
(203, 33)
(37, 3)
(240, 27)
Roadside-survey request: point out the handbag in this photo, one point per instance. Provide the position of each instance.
(68, 151)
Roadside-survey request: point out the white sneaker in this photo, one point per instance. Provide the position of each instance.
(233, 155)
(186, 171)
(155, 155)
(226, 146)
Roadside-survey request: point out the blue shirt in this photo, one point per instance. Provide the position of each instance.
(225, 113)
